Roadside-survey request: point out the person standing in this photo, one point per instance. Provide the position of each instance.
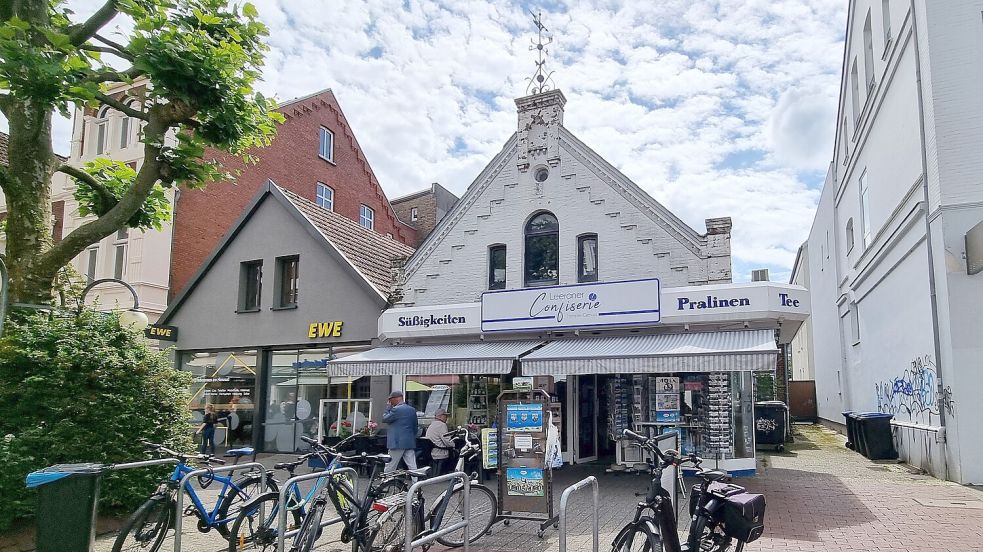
(401, 435)
(442, 446)
(207, 429)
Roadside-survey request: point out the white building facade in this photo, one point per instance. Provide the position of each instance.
(896, 316)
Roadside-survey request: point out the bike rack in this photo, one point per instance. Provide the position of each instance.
(142, 464)
(281, 518)
(179, 508)
(408, 512)
(592, 481)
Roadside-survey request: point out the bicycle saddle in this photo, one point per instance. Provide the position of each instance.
(419, 472)
(713, 475)
(287, 465)
(244, 451)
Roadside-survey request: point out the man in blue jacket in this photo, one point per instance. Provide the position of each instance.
(401, 435)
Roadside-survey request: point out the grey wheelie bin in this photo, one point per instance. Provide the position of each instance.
(876, 437)
(66, 511)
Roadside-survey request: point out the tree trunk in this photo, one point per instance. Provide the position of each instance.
(28, 192)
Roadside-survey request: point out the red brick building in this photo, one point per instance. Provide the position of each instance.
(315, 155)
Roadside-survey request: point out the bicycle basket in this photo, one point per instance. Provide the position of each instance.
(744, 516)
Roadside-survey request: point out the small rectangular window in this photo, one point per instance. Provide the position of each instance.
(288, 277)
(849, 236)
(587, 258)
(854, 317)
(496, 267)
(124, 133)
(414, 214)
(122, 234)
(90, 264)
(886, 20)
(102, 135)
(325, 196)
(865, 209)
(855, 92)
(250, 285)
(846, 144)
(326, 147)
(868, 54)
(366, 217)
(119, 262)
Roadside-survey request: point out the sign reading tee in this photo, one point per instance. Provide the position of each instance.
(324, 329)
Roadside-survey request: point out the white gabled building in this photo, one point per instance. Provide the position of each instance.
(897, 322)
(544, 168)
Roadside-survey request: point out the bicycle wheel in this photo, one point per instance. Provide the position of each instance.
(483, 508)
(250, 532)
(145, 529)
(638, 537)
(390, 534)
(704, 537)
(310, 528)
(249, 487)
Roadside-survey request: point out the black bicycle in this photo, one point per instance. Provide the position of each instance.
(720, 513)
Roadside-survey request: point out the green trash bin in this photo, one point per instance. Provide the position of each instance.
(66, 511)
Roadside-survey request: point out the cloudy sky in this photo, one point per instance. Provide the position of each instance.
(715, 107)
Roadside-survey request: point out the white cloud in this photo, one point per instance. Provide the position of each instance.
(715, 107)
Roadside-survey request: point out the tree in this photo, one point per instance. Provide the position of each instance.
(195, 63)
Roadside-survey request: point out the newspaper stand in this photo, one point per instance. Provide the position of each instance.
(525, 482)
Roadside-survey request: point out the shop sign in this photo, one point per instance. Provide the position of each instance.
(324, 329)
(431, 321)
(163, 333)
(521, 383)
(632, 302)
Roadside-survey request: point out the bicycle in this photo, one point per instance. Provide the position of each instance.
(720, 513)
(359, 516)
(483, 504)
(147, 527)
(250, 533)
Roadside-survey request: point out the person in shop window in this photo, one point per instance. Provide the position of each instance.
(402, 432)
(207, 429)
(442, 446)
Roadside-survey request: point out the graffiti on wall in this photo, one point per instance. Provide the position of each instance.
(915, 394)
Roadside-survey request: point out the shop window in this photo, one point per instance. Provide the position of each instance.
(325, 196)
(228, 381)
(250, 285)
(326, 145)
(496, 267)
(366, 217)
(287, 277)
(587, 258)
(467, 399)
(542, 235)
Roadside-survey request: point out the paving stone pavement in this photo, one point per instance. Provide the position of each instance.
(821, 497)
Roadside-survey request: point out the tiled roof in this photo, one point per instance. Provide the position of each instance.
(3, 148)
(370, 252)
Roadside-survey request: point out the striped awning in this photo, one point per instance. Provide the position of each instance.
(495, 357)
(732, 351)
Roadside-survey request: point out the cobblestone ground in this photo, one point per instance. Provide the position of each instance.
(821, 497)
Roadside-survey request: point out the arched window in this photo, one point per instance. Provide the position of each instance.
(849, 236)
(542, 250)
(101, 131)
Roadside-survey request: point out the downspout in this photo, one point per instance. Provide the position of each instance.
(928, 232)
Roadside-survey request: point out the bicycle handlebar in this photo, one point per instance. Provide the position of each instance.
(156, 447)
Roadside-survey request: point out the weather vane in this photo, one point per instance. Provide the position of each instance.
(542, 80)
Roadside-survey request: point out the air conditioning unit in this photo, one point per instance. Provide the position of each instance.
(759, 275)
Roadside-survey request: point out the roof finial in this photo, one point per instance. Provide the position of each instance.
(542, 80)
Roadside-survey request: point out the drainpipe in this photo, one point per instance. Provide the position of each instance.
(928, 227)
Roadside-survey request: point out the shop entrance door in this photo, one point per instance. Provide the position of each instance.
(586, 416)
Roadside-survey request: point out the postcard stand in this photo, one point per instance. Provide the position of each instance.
(525, 482)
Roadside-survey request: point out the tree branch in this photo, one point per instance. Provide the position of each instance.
(113, 44)
(115, 76)
(120, 106)
(79, 174)
(106, 50)
(78, 34)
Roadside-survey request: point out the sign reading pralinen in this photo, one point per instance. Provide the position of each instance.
(626, 303)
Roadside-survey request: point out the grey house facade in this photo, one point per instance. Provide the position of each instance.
(290, 287)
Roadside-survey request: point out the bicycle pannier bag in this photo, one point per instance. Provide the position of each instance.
(744, 516)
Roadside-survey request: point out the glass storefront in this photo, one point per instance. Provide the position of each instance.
(470, 400)
(226, 380)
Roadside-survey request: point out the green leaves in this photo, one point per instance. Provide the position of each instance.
(116, 178)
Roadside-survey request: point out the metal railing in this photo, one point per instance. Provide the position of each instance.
(281, 518)
(143, 464)
(408, 512)
(179, 509)
(592, 481)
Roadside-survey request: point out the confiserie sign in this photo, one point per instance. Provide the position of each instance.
(575, 306)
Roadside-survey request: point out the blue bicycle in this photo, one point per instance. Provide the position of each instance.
(147, 527)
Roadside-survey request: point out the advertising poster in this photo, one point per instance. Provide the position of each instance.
(525, 482)
(525, 418)
(667, 400)
(489, 448)
(666, 385)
